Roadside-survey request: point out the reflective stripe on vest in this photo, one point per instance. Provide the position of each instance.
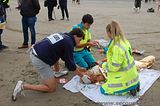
(116, 65)
(124, 68)
(115, 85)
(129, 65)
(121, 85)
(132, 81)
(124, 52)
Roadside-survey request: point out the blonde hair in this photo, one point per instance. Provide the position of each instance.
(115, 30)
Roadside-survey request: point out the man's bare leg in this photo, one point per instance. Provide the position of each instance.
(48, 85)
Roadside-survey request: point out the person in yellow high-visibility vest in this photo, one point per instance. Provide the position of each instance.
(122, 75)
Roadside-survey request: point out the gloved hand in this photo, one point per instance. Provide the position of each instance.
(86, 79)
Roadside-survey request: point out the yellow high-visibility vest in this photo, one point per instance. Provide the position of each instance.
(122, 75)
(87, 36)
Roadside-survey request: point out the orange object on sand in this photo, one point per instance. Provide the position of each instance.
(136, 51)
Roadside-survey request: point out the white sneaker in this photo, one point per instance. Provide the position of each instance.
(138, 9)
(134, 8)
(18, 88)
(60, 73)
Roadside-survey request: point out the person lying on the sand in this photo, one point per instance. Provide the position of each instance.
(94, 75)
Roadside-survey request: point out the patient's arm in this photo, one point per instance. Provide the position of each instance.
(80, 72)
(93, 78)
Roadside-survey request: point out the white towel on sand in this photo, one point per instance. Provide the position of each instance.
(92, 91)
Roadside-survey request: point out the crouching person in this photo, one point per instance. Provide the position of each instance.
(45, 54)
(122, 75)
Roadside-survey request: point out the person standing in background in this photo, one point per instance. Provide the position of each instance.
(51, 5)
(158, 2)
(5, 4)
(73, 1)
(137, 5)
(28, 9)
(78, 1)
(63, 6)
(2, 25)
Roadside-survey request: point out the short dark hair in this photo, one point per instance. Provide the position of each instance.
(87, 18)
(78, 32)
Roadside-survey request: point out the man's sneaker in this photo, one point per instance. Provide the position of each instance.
(18, 88)
(60, 73)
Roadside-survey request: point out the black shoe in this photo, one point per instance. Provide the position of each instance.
(3, 47)
(138, 88)
(62, 19)
(51, 19)
(133, 92)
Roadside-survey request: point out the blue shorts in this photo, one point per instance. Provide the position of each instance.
(83, 58)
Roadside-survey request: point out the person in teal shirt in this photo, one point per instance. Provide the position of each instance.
(82, 56)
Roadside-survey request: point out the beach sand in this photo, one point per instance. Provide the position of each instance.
(142, 30)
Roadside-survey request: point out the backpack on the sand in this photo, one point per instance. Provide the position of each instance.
(151, 10)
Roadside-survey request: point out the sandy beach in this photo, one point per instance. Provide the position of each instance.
(142, 30)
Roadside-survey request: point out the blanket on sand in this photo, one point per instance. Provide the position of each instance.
(92, 91)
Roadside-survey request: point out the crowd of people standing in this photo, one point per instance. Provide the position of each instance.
(62, 4)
